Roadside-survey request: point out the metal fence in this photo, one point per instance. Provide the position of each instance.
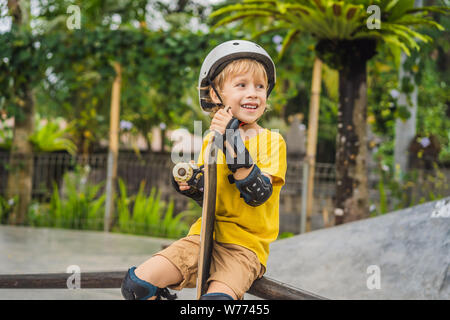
(155, 170)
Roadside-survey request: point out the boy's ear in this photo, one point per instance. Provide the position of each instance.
(213, 96)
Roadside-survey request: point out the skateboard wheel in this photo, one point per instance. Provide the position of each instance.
(183, 171)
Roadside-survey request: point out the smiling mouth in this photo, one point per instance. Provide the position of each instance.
(249, 106)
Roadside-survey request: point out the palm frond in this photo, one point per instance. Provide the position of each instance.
(441, 10)
(339, 20)
(408, 31)
(387, 38)
(393, 40)
(240, 16)
(389, 5)
(243, 8)
(274, 2)
(258, 34)
(287, 41)
(283, 8)
(411, 21)
(398, 9)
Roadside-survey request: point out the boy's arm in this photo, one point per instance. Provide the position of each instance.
(184, 188)
(255, 186)
(243, 173)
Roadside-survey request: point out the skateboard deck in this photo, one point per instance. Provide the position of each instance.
(209, 208)
(208, 216)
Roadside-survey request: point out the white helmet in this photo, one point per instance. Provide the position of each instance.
(225, 53)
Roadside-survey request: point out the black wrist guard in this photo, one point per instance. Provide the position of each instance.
(237, 155)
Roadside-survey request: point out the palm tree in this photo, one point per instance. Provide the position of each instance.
(347, 34)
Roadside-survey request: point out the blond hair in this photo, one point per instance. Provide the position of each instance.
(236, 67)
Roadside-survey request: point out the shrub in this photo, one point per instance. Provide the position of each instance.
(149, 214)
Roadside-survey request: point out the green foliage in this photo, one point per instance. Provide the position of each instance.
(50, 137)
(93, 13)
(428, 70)
(72, 72)
(45, 138)
(6, 137)
(80, 205)
(22, 64)
(152, 89)
(383, 198)
(341, 32)
(444, 155)
(6, 208)
(285, 235)
(404, 190)
(149, 215)
(77, 206)
(333, 21)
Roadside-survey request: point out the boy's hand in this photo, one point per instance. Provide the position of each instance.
(220, 120)
(183, 185)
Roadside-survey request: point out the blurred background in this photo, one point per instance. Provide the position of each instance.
(57, 74)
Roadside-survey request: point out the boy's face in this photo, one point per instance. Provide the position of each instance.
(246, 95)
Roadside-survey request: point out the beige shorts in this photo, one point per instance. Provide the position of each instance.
(231, 264)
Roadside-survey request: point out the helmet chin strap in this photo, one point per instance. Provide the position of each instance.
(217, 93)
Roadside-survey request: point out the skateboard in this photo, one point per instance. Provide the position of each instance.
(208, 210)
(208, 215)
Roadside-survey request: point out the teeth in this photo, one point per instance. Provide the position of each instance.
(248, 106)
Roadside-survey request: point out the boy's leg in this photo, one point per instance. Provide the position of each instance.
(233, 270)
(159, 271)
(220, 287)
(175, 267)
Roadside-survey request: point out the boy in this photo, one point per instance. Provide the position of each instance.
(238, 75)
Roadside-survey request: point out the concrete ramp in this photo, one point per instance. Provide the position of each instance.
(401, 255)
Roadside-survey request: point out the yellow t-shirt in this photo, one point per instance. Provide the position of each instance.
(237, 222)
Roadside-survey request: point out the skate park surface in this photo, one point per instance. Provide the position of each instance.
(399, 255)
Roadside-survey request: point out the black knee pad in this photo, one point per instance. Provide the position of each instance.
(134, 288)
(216, 296)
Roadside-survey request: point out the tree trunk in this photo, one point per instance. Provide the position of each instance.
(350, 57)
(20, 175)
(351, 150)
(113, 150)
(313, 124)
